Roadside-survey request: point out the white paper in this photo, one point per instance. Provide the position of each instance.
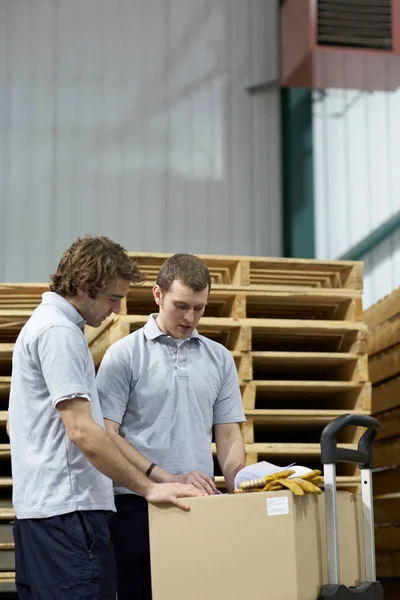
(278, 506)
(263, 468)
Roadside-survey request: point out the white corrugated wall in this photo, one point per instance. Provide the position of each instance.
(131, 118)
(357, 179)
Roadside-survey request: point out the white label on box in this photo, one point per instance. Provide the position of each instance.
(278, 506)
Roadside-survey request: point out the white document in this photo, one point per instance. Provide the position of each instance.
(263, 468)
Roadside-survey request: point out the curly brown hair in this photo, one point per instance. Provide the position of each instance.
(188, 269)
(93, 263)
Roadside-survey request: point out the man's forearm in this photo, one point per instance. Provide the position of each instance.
(231, 457)
(102, 451)
(158, 475)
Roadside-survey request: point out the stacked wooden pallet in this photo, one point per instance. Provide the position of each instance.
(296, 333)
(17, 301)
(383, 320)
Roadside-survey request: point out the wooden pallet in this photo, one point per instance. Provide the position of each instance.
(11, 323)
(383, 337)
(387, 537)
(390, 425)
(22, 296)
(273, 272)
(312, 395)
(386, 481)
(245, 335)
(317, 366)
(385, 365)
(6, 352)
(386, 309)
(387, 508)
(297, 411)
(387, 453)
(320, 304)
(5, 384)
(386, 396)
(388, 565)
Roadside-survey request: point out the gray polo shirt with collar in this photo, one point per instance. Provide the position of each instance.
(52, 361)
(167, 396)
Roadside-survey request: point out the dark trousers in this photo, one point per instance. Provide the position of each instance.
(67, 557)
(129, 528)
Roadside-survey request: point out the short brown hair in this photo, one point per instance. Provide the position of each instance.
(188, 269)
(93, 263)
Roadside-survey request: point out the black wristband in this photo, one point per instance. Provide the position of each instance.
(149, 470)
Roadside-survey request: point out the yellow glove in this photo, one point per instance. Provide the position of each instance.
(308, 483)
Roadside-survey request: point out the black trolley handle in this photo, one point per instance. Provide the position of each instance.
(330, 455)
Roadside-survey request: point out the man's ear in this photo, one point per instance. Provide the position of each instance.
(157, 294)
(81, 291)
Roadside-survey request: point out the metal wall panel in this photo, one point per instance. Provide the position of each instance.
(357, 179)
(132, 118)
(382, 270)
(356, 156)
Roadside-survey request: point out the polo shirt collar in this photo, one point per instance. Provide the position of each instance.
(65, 307)
(152, 330)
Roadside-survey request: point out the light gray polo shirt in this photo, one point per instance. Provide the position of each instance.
(52, 361)
(167, 396)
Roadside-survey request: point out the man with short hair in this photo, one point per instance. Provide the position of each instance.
(63, 460)
(164, 388)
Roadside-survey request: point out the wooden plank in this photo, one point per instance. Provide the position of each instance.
(23, 289)
(387, 537)
(5, 483)
(386, 481)
(384, 337)
(7, 514)
(302, 450)
(6, 352)
(335, 366)
(244, 366)
(11, 323)
(384, 310)
(294, 426)
(387, 453)
(114, 331)
(297, 418)
(334, 395)
(384, 365)
(5, 452)
(386, 396)
(387, 508)
(390, 424)
(5, 383)
(391, 587)
(388, 564)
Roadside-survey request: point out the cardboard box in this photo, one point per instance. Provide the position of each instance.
(269, 544)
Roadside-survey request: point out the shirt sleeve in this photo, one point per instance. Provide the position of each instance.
(228, 406)
(114, 385)
(62, 354)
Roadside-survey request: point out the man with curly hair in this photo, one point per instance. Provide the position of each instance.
(63, 459)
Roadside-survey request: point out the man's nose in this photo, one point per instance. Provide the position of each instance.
(189, 315)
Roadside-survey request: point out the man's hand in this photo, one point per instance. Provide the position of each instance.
(202, 482)
(164, 493)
